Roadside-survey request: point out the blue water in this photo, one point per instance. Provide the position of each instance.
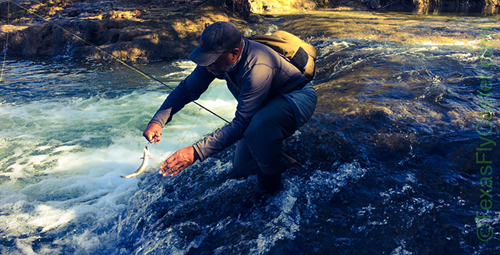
(389, 155)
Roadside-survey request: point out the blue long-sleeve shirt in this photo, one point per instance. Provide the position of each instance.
(260, 75)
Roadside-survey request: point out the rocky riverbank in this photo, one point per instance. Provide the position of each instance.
(149, 30)
(141, 30)
(130, 31)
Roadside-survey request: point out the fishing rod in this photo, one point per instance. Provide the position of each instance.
(287, 157)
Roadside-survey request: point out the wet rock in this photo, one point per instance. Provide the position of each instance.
(127, 30)
(4, 179)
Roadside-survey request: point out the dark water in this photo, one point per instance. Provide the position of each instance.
(390, 155)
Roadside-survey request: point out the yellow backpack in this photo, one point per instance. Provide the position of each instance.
(298, 52)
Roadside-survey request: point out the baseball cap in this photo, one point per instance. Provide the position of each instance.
(216, 39)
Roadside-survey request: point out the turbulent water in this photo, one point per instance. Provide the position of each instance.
(390, 156)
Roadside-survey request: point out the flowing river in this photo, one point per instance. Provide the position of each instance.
(402, 154)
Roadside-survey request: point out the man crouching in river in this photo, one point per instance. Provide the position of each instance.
(274, 98)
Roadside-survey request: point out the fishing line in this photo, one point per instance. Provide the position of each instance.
(184, 136)
(287, 157)
(6, 42)
(182, 185)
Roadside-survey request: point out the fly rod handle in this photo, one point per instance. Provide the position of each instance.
(292, 160)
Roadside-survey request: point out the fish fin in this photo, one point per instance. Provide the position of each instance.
(129, 176)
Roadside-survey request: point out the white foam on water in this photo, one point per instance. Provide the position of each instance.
(330, 46)
(50, 218)
(283, 227)
(334, 181)
(61, 160)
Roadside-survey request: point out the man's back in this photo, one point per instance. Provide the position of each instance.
(262, 66)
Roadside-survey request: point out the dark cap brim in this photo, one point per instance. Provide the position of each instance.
(203, 58)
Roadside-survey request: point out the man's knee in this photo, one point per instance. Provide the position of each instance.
(256, 128)
(244, 164)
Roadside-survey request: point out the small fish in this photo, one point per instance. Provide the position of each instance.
(143, 166)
